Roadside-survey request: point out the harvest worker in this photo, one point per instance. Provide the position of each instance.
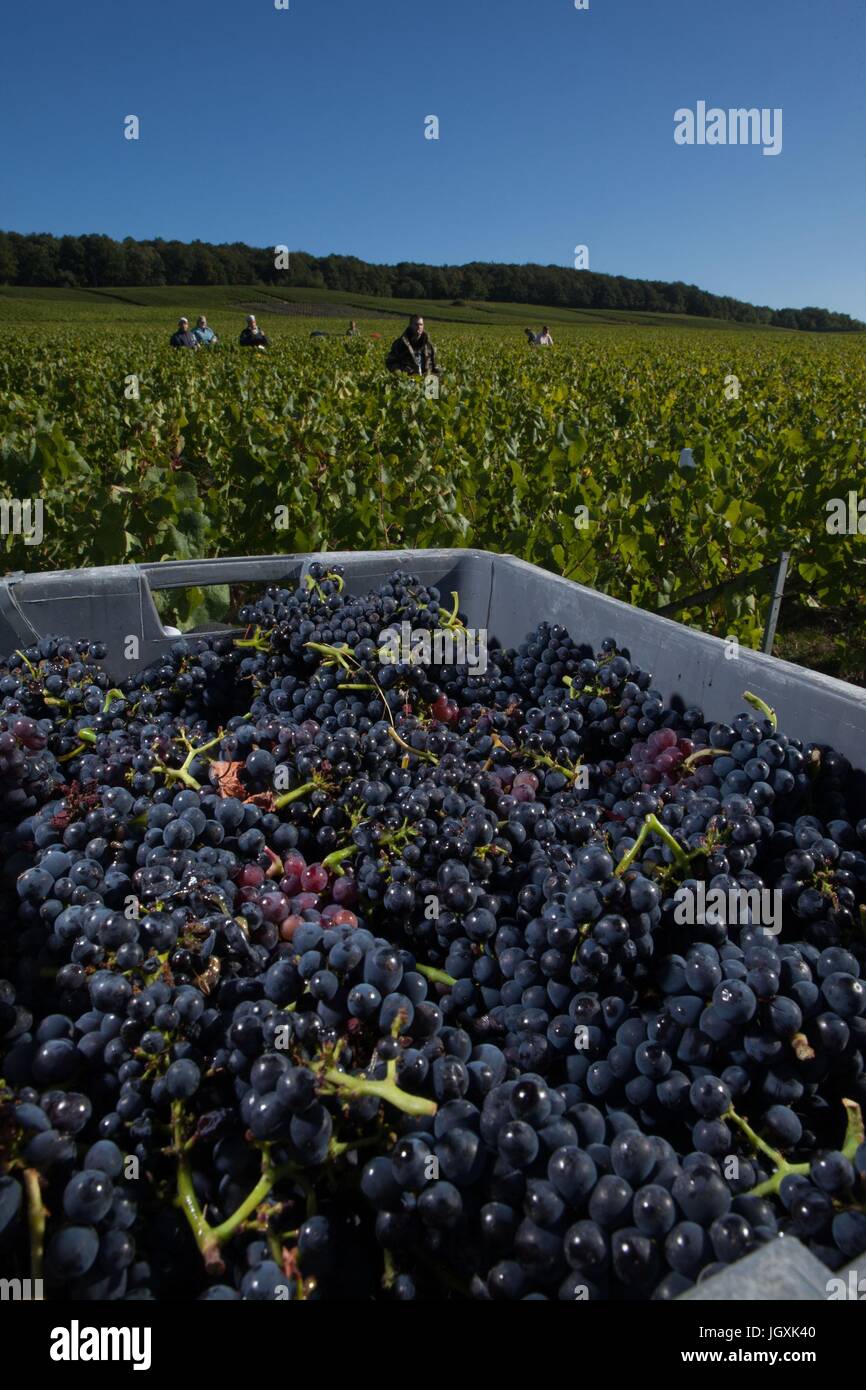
(352, 330)
(544, 338)
(252, 335)
(414, 352)
(203, 333)
(183, 338)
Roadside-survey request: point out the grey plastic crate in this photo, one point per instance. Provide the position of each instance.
(507, 597)
(497, 592)
(782, 1270)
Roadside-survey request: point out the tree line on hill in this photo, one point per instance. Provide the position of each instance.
(94, 261)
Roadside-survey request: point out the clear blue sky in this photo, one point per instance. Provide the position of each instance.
(305, 127)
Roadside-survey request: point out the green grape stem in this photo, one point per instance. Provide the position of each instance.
(784, 1169)
(338, 654)
(334, 860)
(418, 752)
(258, 642)
(288, 797)
(854, 1130)
(700, 753)
(762, 706)
(30, 667)
(35, 1221)
(652, 826)
(451, 620)
(545, 760)
(436, 977)
(209, 1238)
(386, 1090)
(88, 736)
(182, 773)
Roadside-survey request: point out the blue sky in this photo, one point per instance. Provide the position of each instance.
(306, 127)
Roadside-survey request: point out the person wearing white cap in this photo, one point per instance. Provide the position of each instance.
(204, 332)
(252, 335)
(183, 338)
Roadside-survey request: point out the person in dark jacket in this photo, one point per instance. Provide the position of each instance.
(413, 353)
(183, 338)
(252, 336)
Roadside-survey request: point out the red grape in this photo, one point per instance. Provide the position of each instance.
(661, 739)
(275, 906)
(666, 762)
(314, 879)
(289, 925)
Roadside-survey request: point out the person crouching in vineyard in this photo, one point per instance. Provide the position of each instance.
(252, 336)
(413, 353)
(204, 332)
(183, 338)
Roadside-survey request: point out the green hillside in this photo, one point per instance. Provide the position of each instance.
(304, 309)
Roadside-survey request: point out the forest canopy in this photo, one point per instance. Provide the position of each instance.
(94, 261)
